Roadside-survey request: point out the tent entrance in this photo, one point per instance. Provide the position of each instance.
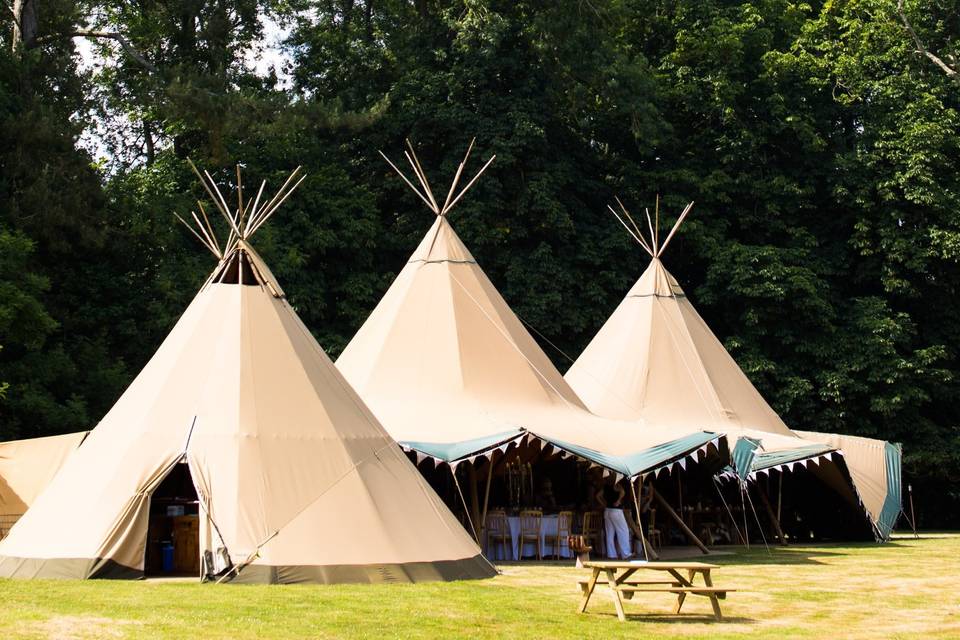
(173, 535)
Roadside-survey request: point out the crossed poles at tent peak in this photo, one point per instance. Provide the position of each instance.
(653, 247)
(427, 194)
(243, 221)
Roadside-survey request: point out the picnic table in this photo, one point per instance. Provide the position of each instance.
(622, 579)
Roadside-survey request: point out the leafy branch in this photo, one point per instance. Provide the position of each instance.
(946, 68)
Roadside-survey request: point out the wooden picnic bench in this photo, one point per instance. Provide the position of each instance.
(620, 578)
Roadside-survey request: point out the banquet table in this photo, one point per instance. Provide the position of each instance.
(548, 527)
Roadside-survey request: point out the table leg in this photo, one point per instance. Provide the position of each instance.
(714, 600)
(612, 583)
(589, 590)
(683, 583)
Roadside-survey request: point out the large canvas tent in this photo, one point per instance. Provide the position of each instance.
(656, 359)
(26, 468)
(452, 373)
(296, 480)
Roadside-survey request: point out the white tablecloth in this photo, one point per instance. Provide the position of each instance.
(548, 527)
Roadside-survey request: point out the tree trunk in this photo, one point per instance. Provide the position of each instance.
(148, 142)
(421, 6)
(24, 24)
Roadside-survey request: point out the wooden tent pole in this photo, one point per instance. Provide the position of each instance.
(470, 184)
(486, 492)
(770, 512)
(423, 183)
(267, 215)
(258, 213)
(202, 230)
(656, 219)
(190, 229)
(648, 552)
(779, 495)
(653, 236)
(423, 176)
(913, 515)
(675, 227)
(629, 217)
(474, 497)
(409, 184)
(456, 178)
(683, 525)
(635, 236)
(240, 210)
(209, 227)
(463, 501)
(256, 204)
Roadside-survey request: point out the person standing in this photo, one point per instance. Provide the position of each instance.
(617, 530)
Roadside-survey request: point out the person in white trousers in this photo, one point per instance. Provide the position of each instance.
(614, 522)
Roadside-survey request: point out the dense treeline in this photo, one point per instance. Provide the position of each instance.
(819, 141)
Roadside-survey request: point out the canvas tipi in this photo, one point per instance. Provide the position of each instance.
(452, 373)
(296, 480)
(656, 359)
(26, 468)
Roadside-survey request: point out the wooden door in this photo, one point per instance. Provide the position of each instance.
(186, 545)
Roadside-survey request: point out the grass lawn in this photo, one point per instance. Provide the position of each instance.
(903, 589)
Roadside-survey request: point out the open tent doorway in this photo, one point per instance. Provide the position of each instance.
(173, 534)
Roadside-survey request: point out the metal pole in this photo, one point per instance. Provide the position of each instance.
(913, 517)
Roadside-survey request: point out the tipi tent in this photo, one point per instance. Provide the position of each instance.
(296, 481)
(26, 468)
(452, 373)
(655, 358)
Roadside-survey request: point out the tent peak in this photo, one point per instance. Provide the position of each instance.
(427, 193)
(243, 221)
(652, 244)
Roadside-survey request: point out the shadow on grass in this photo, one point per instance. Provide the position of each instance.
(797, 554)
(729, 555)
(673, 618)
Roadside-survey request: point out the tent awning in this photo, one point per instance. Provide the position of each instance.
(634, 463)
(456, 451)
(776, 458)
(629, 464)
(748, 457)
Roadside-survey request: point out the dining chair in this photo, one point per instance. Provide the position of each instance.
(498, 533)
(531, 521)
(564, 527)
(592, 531)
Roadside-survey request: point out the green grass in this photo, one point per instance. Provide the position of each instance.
(904, 589)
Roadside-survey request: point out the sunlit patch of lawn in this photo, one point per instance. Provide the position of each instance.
(903, 589)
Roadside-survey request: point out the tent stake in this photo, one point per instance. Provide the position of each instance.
(683, 525)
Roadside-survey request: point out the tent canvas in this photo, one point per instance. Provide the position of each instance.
(295, 478)
(26, 468)
(448, 367)
(655, 358)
